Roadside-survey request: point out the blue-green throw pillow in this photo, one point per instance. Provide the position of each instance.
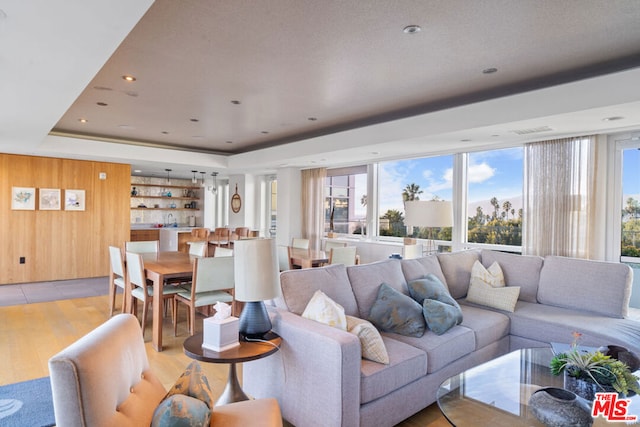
(180, 410)
(430, 287)
(393, 311)
(440, 316)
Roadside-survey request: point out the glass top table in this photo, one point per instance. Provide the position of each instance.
(496, 393)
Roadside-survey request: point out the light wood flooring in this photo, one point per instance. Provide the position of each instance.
(31, 333)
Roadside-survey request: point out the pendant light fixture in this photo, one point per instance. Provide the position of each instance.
(202, 179)
(194, 180)
(168, 176)
(214, 182)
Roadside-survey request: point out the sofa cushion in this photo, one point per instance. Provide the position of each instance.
(370, 340)
(323, 309)
(504, 298)
(298, 286)
(440, 316)
(406, 364)
(419, 267)
(441, 349)
(456, 267)
(518, 270)
(491, 276)
(365, 280)
(547, 323)
(488, 326)
(393, 311)
(596, 286)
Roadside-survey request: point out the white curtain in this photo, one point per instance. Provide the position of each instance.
(560, 202)
(313, 181)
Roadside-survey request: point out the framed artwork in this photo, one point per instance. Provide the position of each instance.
(49, 199)
(74, 200)
(23, 198)
(236, 201)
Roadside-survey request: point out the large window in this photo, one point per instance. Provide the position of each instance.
(494, 180)
(427, 178)
(345, 200)
(630, 238)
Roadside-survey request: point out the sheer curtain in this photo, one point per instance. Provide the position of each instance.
(560, 202)
(313, 205)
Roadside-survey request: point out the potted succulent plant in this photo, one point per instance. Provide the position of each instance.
(587, 373)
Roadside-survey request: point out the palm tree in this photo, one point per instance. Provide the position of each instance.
(507, 206)
(496, 206)
(411, 192)
(363, 200)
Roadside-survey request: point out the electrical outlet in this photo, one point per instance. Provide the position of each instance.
(22, 260)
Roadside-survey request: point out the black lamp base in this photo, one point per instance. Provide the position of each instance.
(254, 320)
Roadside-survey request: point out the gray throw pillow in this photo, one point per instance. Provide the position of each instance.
(392, 311)
(440, 317)
(430, 287)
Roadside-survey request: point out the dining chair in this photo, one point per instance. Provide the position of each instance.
(143, 246)
(213, 281)
(220, 251)
(284, 258)
(345, 255)
(200, 233)
(412, 251)
(240, 233)
(198, 248)
(221, 236)
(139, 288)
(117, 277)
(300, 243)
(330, 244)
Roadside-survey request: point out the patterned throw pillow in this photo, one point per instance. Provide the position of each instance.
(323, 309)
(430, 287)
(491, 276)
(500, 298)
(392, 311)
(370, 340)
(188, 402)
(440, 316)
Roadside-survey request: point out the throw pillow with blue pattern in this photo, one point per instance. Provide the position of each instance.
(393, 311)
(441, 311)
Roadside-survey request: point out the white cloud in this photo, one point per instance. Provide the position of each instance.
(480, 173)
(444, 184)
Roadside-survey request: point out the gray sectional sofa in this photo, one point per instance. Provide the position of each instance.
(320, 379)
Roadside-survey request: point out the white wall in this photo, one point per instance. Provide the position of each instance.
(289, 199)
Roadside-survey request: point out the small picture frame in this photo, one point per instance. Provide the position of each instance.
(23, 198)
(49, 199)
(74, 200)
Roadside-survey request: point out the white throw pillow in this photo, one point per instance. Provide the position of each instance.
(491, 276)
(501, 298)
(370, 340)
(323, 309)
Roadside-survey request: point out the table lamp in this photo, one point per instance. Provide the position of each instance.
(257, 278)
(428, 213)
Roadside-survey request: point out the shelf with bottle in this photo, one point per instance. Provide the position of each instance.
(155, 192)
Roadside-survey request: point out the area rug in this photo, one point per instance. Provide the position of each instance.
(27, 404)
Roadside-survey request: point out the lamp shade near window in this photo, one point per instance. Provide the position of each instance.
(428, 213)
(257, 278)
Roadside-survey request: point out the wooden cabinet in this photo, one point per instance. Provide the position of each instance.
(164, 197)
(144, 235)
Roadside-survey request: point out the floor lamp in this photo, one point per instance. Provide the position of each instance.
(257, 279)
(428, 213)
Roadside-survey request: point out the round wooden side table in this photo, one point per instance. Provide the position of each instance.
(245, 352)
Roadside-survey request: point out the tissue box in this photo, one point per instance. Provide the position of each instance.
(220, 335)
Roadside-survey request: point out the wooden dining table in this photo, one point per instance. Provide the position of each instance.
(158, 268)
(307, 258)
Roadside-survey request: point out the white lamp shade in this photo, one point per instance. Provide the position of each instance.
(428, 213)
(257, 277)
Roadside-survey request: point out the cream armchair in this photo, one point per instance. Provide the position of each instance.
(104, 380)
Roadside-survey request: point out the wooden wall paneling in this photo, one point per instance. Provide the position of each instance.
(62, 244)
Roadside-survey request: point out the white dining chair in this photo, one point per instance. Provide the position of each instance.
(198, 248)
(284, 258)
(141, 290)
(345, 255)
(143, 246)
(330, 244)
(220, 251)
(213, 281)
(117, 277)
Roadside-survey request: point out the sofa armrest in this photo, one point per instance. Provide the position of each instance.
(315, 375)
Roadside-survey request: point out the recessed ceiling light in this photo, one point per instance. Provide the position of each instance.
(236, 102)
(465, 140)
(489, 70)
(128, 127)
(164, 132)
(83, 120)
(265, 132)
(229, 142)
(194, 120)
(495, 135)
(197, 137)
(613, 119)
(312, 119)
(102, 104)
(412, 29)
(129, 78)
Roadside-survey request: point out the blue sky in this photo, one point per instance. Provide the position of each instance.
(631, 174)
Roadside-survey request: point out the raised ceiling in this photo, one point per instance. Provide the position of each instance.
(232, 77)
